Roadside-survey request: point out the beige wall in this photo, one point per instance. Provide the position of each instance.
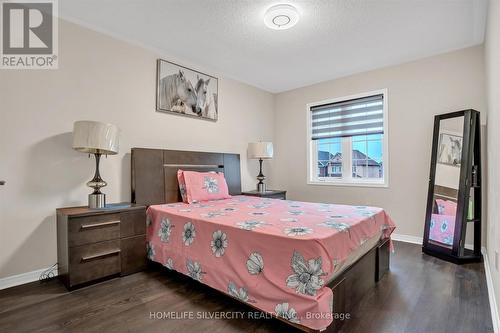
(416, 92)
(492, 53)
(99, 78)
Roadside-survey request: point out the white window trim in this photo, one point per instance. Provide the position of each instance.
(349, 181)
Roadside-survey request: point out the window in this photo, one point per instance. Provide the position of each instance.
(347, 140)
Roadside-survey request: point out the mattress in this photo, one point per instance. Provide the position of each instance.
(356, 254)
(276, 255)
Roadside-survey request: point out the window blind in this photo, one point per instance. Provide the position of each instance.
(348, 118)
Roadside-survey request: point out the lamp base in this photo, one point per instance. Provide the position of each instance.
(261, 186)
(97, 200)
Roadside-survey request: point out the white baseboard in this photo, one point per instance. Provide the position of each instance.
(417, 240)
(16, 280)
(407, 239)
(491, 293)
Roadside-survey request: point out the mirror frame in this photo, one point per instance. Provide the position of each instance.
(470, 155)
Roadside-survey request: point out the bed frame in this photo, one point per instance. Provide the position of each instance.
(151, 165)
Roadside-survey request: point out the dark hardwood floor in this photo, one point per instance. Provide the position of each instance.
(420, 294)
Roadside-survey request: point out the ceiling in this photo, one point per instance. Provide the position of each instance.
(333, 38)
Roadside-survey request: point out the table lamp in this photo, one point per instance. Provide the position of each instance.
(93, 137)
(261, 151)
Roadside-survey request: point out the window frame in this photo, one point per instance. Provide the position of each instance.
(349, 180)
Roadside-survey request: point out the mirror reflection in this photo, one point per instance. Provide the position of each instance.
(447, 181)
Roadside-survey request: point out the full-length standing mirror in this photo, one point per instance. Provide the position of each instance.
(454, 198)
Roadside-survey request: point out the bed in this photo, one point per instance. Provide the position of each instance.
(304, 263)
(442, 225)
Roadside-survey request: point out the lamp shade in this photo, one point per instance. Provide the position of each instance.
(260, 150)
(95, 137)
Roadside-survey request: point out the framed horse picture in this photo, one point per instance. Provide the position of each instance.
(183, 91)
(450, 149)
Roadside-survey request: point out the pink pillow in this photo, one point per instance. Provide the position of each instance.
(446, 207)
(182, 184)
(203, 186)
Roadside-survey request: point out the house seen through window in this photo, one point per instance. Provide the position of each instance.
(347, 141)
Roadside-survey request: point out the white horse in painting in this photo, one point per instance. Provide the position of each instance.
(451, 151)
(205, 102)
(177, 94)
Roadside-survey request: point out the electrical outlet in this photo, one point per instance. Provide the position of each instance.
(496, 260)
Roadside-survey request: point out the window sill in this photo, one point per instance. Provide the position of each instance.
(345, 183)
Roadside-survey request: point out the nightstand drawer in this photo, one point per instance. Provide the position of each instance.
(94, 261)
(133, 223)
(92, 229)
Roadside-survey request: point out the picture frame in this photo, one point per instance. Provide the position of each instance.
(186, 92)
(450, 149)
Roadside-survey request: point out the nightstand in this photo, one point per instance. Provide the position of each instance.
(93, 244)
(273, 194)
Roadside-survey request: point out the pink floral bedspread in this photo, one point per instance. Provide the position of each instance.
(442, 228)
(273, 254)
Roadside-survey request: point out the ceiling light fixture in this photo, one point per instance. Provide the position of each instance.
(281, 17)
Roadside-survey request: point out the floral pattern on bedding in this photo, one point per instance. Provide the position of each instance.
(275, 254)
(442, 228)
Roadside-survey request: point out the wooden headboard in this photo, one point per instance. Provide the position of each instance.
(445, 193)
(154, 172)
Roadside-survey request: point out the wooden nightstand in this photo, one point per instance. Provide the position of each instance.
(273, 194)
(97, 243)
